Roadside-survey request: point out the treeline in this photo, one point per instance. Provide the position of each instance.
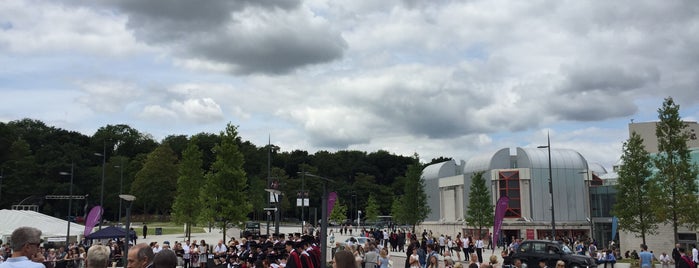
(35, 159)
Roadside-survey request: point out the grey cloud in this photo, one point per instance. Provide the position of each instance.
(251, 36)
(610, 79)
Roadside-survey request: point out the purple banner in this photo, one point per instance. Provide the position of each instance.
(92, 219)
(500, 209)
(332, 197)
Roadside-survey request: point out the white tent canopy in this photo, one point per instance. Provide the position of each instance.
(51, 227)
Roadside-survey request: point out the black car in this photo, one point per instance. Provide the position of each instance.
(533, 251)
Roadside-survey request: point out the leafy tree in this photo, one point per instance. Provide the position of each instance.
(224, 195)
(635, 189)
(339, 212)
(372, 209)
(156, 182)
(676, 176)
(480, 209)
(185, 209)
(397, 210)
(413, 204)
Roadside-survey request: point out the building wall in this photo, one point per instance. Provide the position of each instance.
(647, 131)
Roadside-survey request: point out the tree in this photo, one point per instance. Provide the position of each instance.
(634, 189)
(413, 204)
(372, 209)
(480, 209)
(156, 182)
(224, 195)
(676, 176)
(339, 213)
(186, 207)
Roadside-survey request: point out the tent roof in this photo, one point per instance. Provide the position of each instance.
(108, 232)
(49, 226)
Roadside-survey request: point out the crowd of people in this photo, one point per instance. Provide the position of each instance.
(303, 251)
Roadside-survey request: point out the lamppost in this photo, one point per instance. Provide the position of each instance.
(121, 184)
(70, 199)
(275, 193)
(303, 200)
(553, 214)
(127, 237)
(588, 184)
(324, 220)
(356, 208)
(104, 161)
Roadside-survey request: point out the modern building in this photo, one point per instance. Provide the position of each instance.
(583, 194)
(523, 175)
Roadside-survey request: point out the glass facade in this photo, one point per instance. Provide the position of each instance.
(602, 198)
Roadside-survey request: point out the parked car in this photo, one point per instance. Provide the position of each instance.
(355, 240)
(532, 251)
(251, 228)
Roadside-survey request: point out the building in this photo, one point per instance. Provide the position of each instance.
(522, 175)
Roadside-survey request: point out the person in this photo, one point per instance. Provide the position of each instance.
(560, 264)
(145, 230)
(25, 249)
(140, 256)
(371, 257)
(433, 262)
(97, 257)
(542, 264)
(665, 260)
(610, 258)
(645, 257)
(685, 261)
(695, 254)
(384, 258)
(518, 264)
(343, 259)
(479, 249)
(165, 259)
(676, 255)
(414, 259)
(494, 261)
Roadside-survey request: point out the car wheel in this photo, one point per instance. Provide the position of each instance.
(575, 265)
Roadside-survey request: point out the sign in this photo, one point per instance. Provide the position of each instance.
(270, 209)
(530, 234)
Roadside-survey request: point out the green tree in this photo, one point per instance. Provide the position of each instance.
(224, 195)
(480, 209)
(635, 189)
(156, 182)
(413, 204)
(676, 176)
(372, 209)
(338, 214)
(397, 210)
(186, 207)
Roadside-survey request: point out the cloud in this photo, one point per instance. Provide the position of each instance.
(35, 27)
(107, 96)
(202, 110)
(242, 36)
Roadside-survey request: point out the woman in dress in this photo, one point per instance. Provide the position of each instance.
(383, 258)
(414, 259)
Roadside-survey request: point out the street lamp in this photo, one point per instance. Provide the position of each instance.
(276, 193)
(70, 199)
(553, 214)
(127, 237)
(324, 221)
(121, 184)
(104, 160)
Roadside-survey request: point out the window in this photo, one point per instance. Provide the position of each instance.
(509, 185)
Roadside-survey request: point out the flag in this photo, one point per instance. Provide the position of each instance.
(615, 225)
(500, 209)
(332, 197)
(92, 219)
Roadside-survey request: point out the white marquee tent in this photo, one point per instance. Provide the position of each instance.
(52, 228)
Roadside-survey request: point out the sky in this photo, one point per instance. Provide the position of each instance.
(438, 78)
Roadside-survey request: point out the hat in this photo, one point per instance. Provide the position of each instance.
(290, 243)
